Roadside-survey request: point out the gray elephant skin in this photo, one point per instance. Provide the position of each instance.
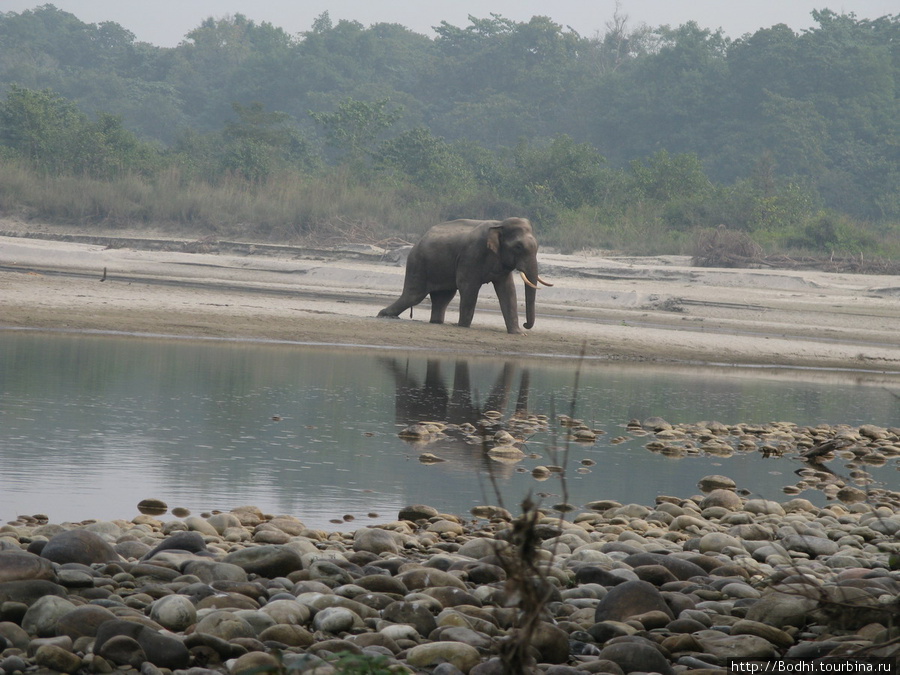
(463, 255)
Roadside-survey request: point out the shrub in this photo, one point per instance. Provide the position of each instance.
(721, 247)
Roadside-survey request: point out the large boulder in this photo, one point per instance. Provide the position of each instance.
(266, 561)
(630, 599)
(159, 649)
(79, 546)
(682, 569)
(18, 565)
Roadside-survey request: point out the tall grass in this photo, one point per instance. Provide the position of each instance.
(340, 205)
(285, 208)
(637, 229)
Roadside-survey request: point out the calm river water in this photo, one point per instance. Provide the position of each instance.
(90, 425)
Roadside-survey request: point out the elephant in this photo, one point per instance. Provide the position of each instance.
(462, 255)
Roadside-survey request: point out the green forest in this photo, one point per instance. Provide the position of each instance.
(637, 139)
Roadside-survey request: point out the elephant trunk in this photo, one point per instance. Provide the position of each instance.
(531, 273)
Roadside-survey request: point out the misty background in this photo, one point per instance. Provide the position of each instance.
(628, 135)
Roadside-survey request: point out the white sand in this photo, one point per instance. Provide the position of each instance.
(655, 309)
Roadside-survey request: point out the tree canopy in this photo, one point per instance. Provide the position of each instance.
(531, 110)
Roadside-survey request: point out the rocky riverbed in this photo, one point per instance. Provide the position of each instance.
(678, 586)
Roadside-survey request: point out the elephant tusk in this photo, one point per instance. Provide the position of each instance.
(525, 279)
(546, 283)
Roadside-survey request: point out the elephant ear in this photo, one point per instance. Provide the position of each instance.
(493, 239)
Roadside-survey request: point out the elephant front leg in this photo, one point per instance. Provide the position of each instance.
(439, 302)
(506, 293)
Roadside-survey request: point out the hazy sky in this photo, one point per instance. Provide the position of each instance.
(165, 22)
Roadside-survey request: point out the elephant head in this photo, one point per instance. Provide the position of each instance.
(514, 243)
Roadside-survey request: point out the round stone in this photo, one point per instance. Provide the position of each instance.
(335, 620)
(376, 540)
(289, 634)
(417, 512)
(57, 659)
(462, 656)
(255, 662)
(152, 507)
(175, 612)
(42, 617)
(716, 482)
(721, 497)
(79, 546)
(18, 565)
(83, 621)
(225, 625)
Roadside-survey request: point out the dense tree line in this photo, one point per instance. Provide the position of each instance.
(787, 136)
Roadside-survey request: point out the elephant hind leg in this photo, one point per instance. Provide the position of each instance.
(439, 302)
(402, 303)
(468, 296)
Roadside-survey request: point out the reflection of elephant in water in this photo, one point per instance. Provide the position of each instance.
(432, 400)
(462, 255)
(459, 405)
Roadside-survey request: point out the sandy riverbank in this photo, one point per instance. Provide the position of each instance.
(656, 309)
